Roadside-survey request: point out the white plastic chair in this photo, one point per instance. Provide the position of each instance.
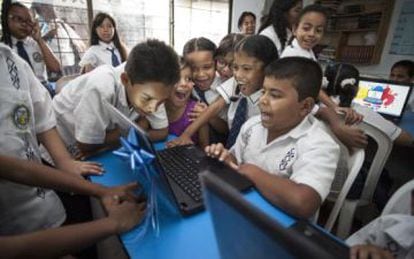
(355, 162)
(380, 158)
(400, 202)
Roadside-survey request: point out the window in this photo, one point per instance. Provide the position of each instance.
(196, 18)
(65, 25)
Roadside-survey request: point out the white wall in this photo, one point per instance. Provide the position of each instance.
(387, 60)
(239, 6)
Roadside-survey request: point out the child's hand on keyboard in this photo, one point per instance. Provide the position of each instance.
(222, 154)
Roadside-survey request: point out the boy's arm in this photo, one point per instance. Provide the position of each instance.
(61, 241)
(35, 174)
(325, 99)
(297, 199)
(203, 136)
(57, 150)
(51, 62)
(157, 134)
(350, 136)
(111, 142)
(153, 134)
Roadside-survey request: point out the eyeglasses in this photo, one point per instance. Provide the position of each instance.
(222, 64)
(21, 20)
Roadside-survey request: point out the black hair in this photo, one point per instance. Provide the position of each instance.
(94, 40)
(199, 44)
(305, 74)
(343, 81)
(5, 8)
(313, 8)
(153, 60)
(228, 43)
(258, 46)
(244, 15)
(277, 17)
(183, 62)
(407, 64)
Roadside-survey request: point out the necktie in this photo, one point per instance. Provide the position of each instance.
(239, 118)
(201, 94)
(22, 52)
(114, 58)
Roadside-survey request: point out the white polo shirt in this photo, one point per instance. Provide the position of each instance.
(35, 56)
(25, 110)
(295, 50)
(99, 54)
(271, 34)
(306, 154)
(81, 114)
(392, 232)
(228, 90)
(211, 94)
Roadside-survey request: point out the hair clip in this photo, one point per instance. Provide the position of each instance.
(236, 96)
(348, 81)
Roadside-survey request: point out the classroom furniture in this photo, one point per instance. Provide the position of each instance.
(349, 207)
(179, 237)
(355, 162)
(356, 30)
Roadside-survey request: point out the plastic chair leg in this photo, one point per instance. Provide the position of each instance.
(346, 218)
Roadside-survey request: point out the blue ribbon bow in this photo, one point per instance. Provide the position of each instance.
(131, 150)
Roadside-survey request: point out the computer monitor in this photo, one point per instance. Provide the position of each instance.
(386, 97)
(244, 231)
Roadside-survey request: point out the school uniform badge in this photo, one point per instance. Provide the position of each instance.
(287, 159)
(21, 116)
(37, 57)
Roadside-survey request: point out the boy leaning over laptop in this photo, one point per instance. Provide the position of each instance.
(285, 151)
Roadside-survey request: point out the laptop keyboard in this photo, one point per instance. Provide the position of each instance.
(178, 165)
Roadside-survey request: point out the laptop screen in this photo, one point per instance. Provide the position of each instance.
(383, 96)
(244, 231)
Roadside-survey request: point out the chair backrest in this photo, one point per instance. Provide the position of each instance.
(381, 155)
(355, 162)
(401, 200)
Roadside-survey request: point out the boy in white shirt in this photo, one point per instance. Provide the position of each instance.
(285, 152)
(27, 119)
(140, 86)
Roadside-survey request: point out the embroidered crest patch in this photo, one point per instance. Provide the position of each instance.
(288, 157)
(21, 116)
(37, 57)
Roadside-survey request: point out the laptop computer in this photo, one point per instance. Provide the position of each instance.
(386, 97)
(242, 230)
(180, 166)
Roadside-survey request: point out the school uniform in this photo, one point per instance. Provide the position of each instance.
(81, 114)
(227, 90)
(211, 94)
(393, 232)
(100, 54)
(295, 50)
(271, 34)
(34, 53)
(25, 111)
(306, 154)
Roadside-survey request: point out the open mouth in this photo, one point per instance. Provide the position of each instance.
(181, 96)
(265, 116)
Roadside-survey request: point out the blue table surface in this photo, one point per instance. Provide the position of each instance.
(179, 237)
(407, 122)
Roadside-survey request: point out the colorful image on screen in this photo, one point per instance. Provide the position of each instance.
(382, 97)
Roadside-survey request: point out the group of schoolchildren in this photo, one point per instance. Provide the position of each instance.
(238, 101)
